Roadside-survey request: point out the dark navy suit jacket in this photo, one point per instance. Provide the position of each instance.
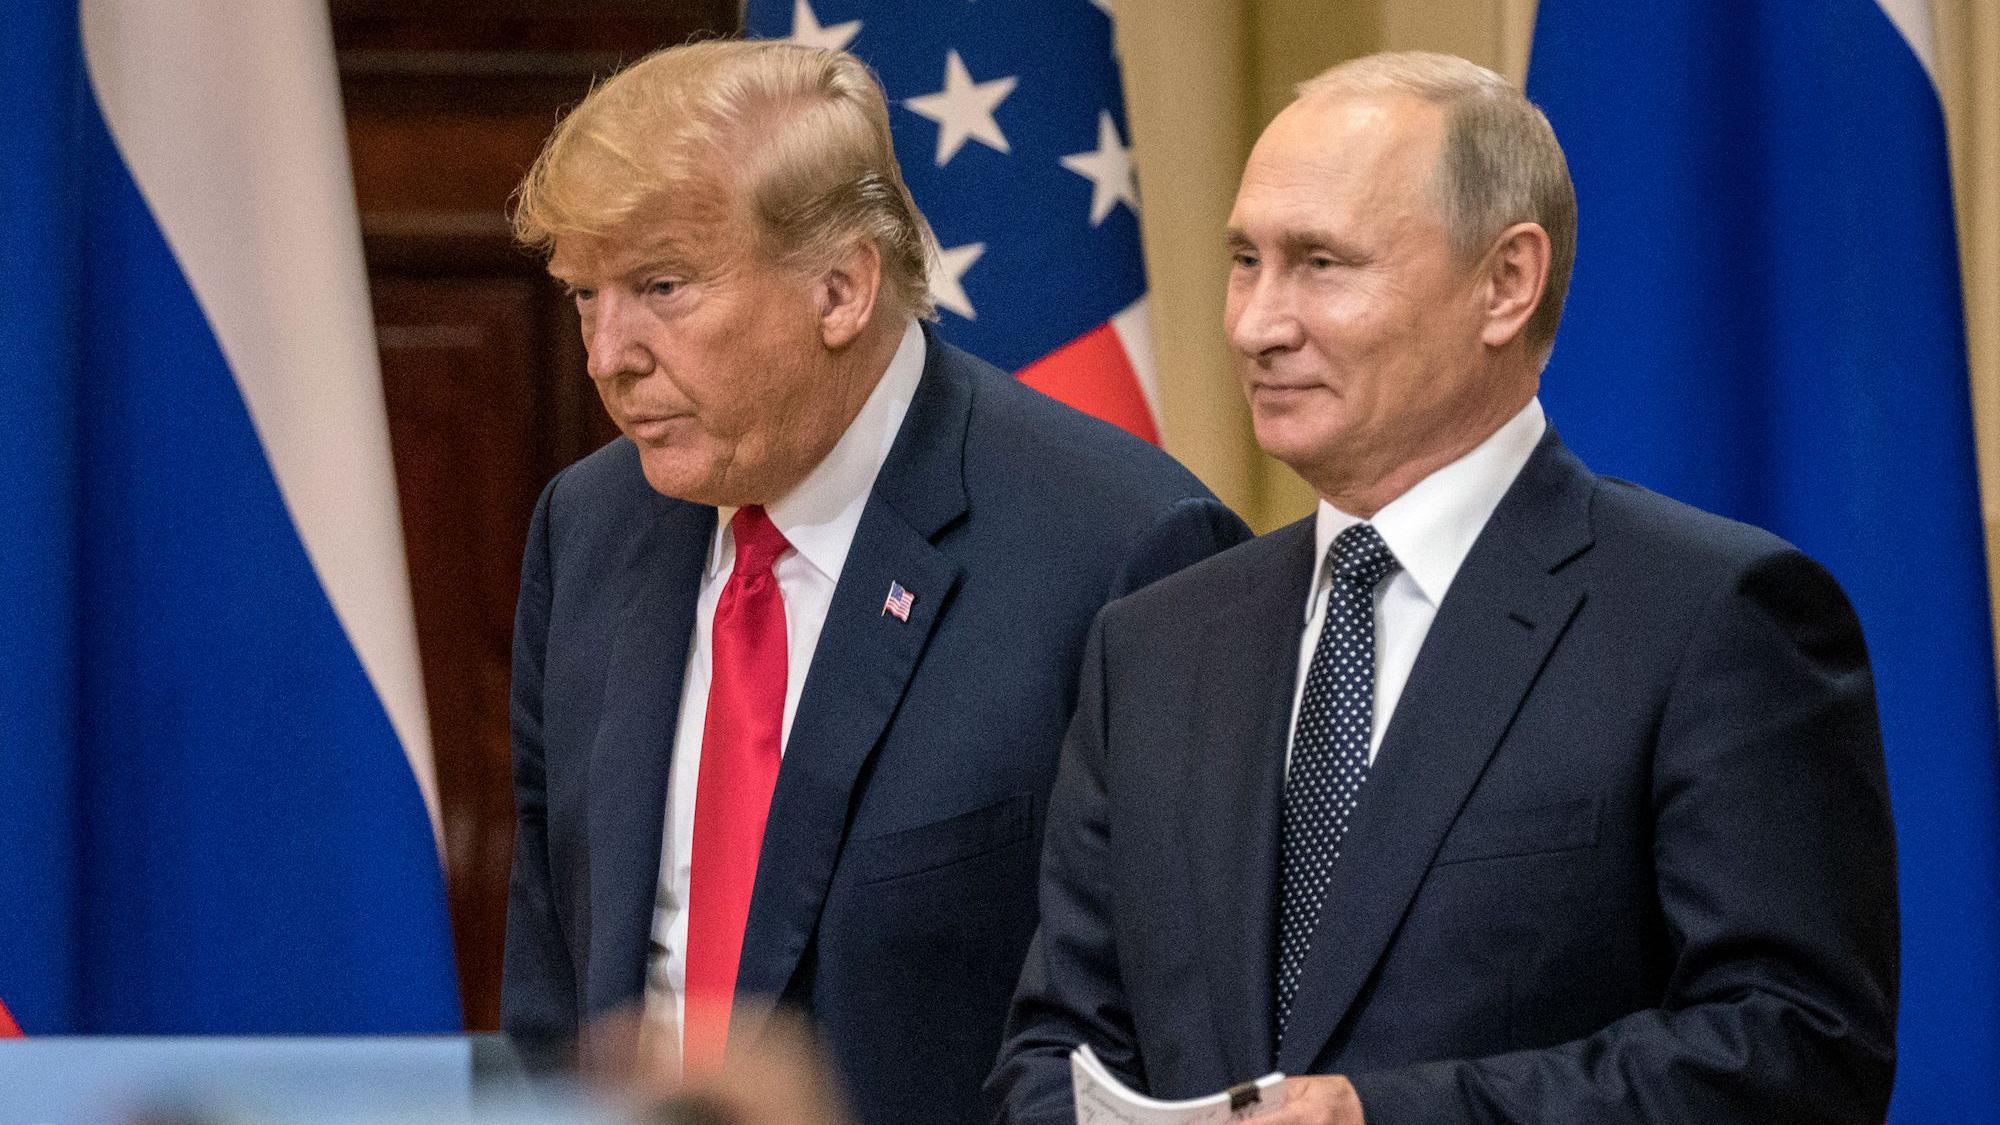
(895, 892)
(1624, 855)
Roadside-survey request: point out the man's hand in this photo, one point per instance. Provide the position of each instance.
(1318, 1100)
(782, 1077)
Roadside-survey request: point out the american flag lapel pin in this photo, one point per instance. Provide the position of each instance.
(898, 602)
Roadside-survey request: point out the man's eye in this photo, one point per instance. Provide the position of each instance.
(662, 286)
(1322, 261)
(1243, 260)
(579, 294)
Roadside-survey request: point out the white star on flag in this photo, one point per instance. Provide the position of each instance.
(1079, 333)
(807, 32)
(1109, 171)
(948, 278)
(963, 109)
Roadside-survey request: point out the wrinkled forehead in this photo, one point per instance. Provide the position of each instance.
(684, 227)
(1377, 142)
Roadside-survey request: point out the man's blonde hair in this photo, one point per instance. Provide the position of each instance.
(1500, 163)
(799, 135)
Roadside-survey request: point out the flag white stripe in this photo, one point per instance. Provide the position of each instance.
(228, 115)
(1913, 19)
(1137, 339)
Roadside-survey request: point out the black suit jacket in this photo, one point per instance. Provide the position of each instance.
(1624, 855)
(895, 891)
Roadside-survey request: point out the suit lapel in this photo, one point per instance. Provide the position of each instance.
(1504, 613)
(660, 582)
(859, 672)
(1231, 791)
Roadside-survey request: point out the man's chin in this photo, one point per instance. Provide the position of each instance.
(675, 477)
(673, 474)
(1284, 438)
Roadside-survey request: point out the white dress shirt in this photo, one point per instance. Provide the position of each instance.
(1430, 529)
(818, 518)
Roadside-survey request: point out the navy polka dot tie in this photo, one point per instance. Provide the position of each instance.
(1329, 748)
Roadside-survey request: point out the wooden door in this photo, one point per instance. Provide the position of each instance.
(447, 104)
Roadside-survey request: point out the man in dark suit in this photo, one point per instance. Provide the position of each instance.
(794, 656)
(1496, 791)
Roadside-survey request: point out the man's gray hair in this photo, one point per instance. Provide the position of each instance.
(1500, 163)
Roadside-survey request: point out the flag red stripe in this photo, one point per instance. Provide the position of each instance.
(1093, 374)
(8, 1028)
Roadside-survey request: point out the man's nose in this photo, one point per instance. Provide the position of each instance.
(610, 340)
(1262, 317)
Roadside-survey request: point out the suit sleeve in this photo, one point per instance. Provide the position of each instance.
(538, 988)
(1775, 866)
(1069, 991)
(1188, 531)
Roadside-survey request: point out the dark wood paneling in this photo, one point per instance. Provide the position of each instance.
(451, 351)
(447, 104)
(516, 55)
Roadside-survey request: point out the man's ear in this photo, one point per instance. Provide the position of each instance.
(845, 294)
(1517, 270)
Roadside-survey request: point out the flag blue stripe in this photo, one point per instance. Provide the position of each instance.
(226, 834)
(1766, 321)
(41, 267)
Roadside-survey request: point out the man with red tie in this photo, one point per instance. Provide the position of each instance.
(794, 655)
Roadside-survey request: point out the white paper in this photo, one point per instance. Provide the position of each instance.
(1101, 1099)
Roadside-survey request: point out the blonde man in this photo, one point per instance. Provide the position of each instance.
(794, 654)
(1494, 791)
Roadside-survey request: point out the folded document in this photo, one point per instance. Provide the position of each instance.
(1101, 1099)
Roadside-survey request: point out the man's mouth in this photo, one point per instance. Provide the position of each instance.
(651, 429)
(1264, 389)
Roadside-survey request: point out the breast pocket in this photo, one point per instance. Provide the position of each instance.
(927, 847)
(1532, 830)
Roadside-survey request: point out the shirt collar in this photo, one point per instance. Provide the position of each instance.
(818, 517)
(1431, 528)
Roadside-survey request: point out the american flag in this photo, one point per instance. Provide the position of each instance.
(1009, 121)
(898, 602)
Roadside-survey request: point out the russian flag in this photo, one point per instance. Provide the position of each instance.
(1765, 321)
(1009, 124)
(214, 785)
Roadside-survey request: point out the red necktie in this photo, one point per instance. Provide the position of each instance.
(740, 748)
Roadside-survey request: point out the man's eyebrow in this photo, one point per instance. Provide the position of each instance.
(664, 251)
(1298, 243)
(660, 257)
(1317, 238)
